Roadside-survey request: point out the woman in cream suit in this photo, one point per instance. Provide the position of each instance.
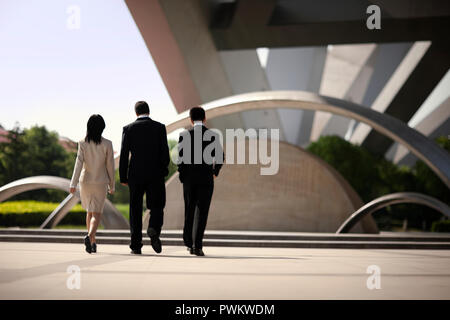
(94, 169)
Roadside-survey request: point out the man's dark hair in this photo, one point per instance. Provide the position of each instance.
(141, 107)
(95, 127)
(197, 114)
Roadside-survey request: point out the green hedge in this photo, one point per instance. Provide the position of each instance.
(33, 214)
(441, 226)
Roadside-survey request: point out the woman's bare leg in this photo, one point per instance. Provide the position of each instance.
(95, 221)
(88, 220)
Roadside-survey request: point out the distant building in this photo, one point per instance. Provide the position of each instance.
(3, 135)
(67, 144)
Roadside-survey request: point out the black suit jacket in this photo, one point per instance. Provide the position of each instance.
(203, 172)
(146, 140)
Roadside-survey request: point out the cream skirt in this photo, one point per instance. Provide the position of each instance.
(93, 196)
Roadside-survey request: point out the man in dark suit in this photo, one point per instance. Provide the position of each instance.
(197, 169)
(144, 172)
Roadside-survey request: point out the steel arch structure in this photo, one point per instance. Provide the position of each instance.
(111, 217)
(393, 198)
(425, 149)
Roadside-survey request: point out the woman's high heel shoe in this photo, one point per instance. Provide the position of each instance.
(94, 248)
(87, 243)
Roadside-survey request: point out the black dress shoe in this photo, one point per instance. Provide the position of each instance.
(137, 251)
(94, 247)
(199, 252)
(191, 250)
(155, 241)
(156, 244)
(87, 243)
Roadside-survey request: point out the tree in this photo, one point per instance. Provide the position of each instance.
(428, 182)
(373, 176)
(11, 164)
(121, 194)
(172, 166)
(36, 151)
(31, 152)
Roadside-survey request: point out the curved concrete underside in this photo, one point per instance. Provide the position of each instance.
(306, 195)
(425, 149)
(111, 217)
(390, 199)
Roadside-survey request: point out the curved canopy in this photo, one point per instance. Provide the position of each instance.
(425, 149)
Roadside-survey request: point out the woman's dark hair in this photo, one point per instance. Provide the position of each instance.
(197, 114)
(95, 127)
(141, 107)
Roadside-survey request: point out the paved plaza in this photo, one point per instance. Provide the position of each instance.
(39, 271)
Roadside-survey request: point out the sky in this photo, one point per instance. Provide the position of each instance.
(62, 61)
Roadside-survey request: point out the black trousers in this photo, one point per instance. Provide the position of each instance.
(196, 195)
(156, 200)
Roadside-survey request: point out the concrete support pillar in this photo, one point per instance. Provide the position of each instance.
(392, 87)
(178, 38)
(296, 69)
(342, 66)
(246, 74)
(436, 124)
(374, 73)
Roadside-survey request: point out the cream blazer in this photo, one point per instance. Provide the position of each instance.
(94, 164)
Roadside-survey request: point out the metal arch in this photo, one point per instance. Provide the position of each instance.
(425, 149)
(111, 219)
(60, 211)
(393, 198)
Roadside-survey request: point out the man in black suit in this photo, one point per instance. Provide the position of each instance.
(144, 172)
(197, 169)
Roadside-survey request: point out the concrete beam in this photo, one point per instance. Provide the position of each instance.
(178, 38)
(246, 74)
(165, 51)
(347, 71)
(393, 86)
(380, 66)
(252, 12)
(436, 124)
(189, 25)
(431, 69)
(334, 32)
(296, 69)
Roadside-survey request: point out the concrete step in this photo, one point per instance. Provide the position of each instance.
(173, 238)
(245, 235)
